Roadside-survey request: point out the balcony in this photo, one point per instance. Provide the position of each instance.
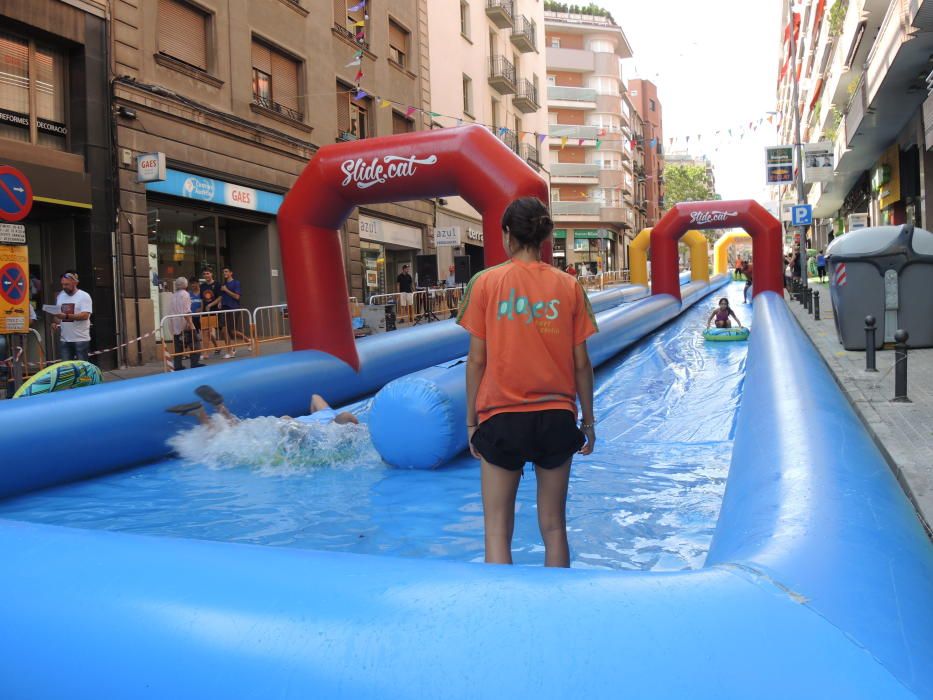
(510, 139)
(571, 97)
(575, 209)
(530, 154)
(574, 173)
(501, 75)
(615, 213)
(574, 133)
(288, 112)
(500, 12)
(575, 60)
(526, 97)
(525, 35)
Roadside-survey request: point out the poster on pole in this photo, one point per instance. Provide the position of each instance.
(818, 161)
(780, 165)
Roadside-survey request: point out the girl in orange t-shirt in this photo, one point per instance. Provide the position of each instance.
(528, 364)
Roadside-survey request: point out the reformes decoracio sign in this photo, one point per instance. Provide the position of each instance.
(22, 121)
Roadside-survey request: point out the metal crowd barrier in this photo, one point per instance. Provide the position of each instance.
(21, 360)
(271, 323)
(221, 332)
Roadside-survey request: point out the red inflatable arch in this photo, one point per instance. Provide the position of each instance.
(467, 161)
(764, 229)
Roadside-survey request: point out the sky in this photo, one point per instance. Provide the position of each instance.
(715, 65)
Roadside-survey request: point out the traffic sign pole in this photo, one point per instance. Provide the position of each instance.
(798, 146)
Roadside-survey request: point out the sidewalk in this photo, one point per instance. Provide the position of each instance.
(903, 431)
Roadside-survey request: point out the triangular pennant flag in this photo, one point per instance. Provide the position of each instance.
(541, 138)
(360, 94)
(501, 131)
(409, 111)
(654, 143)
(383, 104)
(602, 132)
(361, 23)
(359, 75)
(688, 139)
(434, 114)
(563, 142)
(357, 7)
(459, 121)
(354, 62)
(360, 35)
(580, 142)
(599, 143)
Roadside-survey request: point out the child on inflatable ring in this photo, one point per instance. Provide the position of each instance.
(722, 314)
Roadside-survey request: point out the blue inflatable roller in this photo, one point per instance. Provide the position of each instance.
(417, 421)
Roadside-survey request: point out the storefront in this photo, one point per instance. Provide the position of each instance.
(594, 249)
(196, 223)
(459, 236)
(385, 246)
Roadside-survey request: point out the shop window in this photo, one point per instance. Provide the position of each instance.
(401, 124)
(399, 41)
(467, 95)
(652, 106)
(352, 115)
(465, 18)
(351, 21)
(32, 92)
(183, 33)
(276, 81)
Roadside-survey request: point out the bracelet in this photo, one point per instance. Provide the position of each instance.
(472, 426)
(588, 426)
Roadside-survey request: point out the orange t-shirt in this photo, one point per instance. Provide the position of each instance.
(531, 316)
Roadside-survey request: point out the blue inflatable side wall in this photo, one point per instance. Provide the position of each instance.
(435, 399)
(818, 585)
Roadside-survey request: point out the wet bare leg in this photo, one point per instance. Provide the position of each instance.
(552, 513)
(499, 489)
(318, 403)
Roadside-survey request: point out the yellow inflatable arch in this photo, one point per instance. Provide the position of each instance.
(638, 256)
(721, 250)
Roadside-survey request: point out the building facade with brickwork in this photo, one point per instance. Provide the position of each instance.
(644, 96)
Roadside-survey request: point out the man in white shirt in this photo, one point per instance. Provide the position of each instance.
(74, 319)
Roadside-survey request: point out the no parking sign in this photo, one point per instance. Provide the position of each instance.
(14, 289)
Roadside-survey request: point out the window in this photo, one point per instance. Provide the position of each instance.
(350, 21)
(352, 115)
(399, 40)
(651, 105)
(495, 112)
(555, 194)
(276, 81)
(602, 46)
(401, 124)
(183, 33)
(604, 85)
(552, 80)
(555, 42)
(32, 74)
(467, 95)
(465, 18)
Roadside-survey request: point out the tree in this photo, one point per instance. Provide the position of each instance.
(688, 183)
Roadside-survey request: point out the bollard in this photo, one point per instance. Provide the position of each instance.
(900, 366)
(870, 344)
(816, 306)
(810, 300)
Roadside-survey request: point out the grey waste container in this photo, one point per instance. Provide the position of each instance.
(885, 272)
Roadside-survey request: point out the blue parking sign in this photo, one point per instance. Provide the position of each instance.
(801, 215)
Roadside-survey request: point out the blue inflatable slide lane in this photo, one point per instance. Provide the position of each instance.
(819, 583)
(435, 398)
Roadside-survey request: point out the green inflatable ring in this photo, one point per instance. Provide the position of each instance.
(725, 334)
(71, 374)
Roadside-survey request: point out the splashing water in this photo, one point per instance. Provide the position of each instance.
(276, 446)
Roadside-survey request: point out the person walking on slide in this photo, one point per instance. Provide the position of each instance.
(527, 366)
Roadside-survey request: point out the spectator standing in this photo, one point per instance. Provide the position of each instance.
(194, 291)
(406, 292)
(210, 303)
(821, 266)
(527, 365)
(230, 300)
(182, 328)
(74, 319)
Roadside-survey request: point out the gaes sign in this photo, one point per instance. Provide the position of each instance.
(150, 167)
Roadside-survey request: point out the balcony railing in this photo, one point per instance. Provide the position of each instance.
(350, 35)
(530, 153)
(501, 75)
(525, 35)
(573, 132)
(571, 94)
(509, 138)
(500, 12)
(575, 208)
(266, 103)
(575, 170)
(526, 97)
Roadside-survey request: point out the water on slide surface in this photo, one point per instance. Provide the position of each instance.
(648, 498)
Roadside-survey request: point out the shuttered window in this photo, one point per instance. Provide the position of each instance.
(401, 124)
(183, 33)
(276, 80)
(398, 43)
(343, 109)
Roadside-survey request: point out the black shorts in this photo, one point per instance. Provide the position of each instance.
(546, 438)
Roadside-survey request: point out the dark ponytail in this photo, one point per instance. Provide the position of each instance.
(528, 222)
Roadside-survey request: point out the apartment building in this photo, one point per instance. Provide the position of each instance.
(640, 193)
(488, 67)
(238, 95)
(863, 68)
(644, 96)
(54, 128)
(590, 135)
